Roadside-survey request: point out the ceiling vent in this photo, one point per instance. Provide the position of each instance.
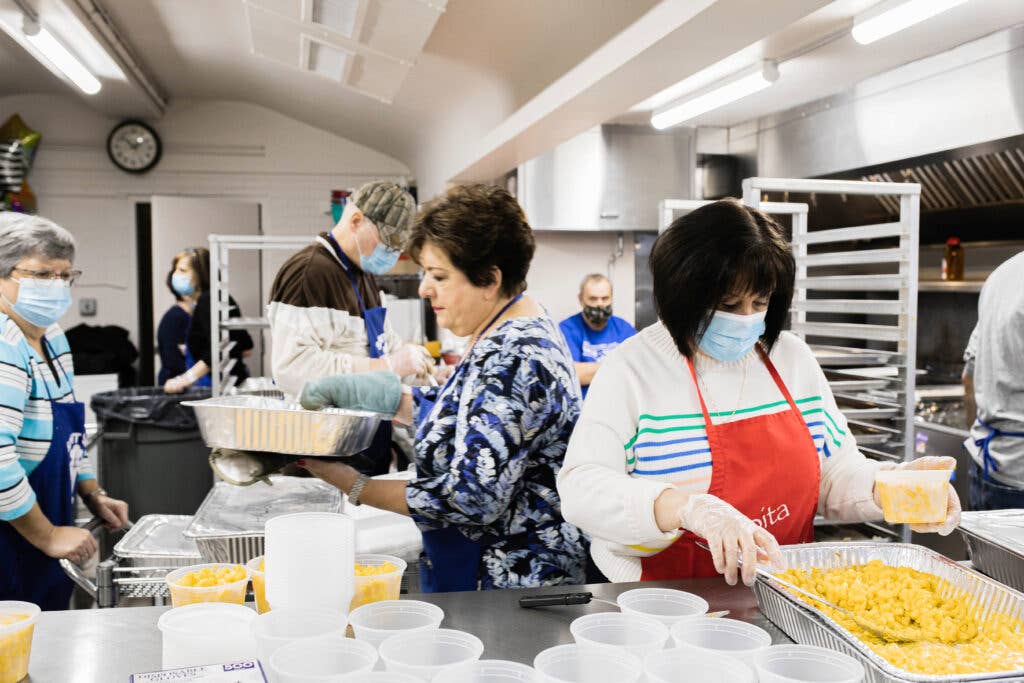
(327, 60)
(340, 16)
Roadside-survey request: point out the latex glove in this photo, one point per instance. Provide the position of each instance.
(409, 359)
(112, 511)
(378, 392)
(442, 372)
(952, 520)
(731, 536)
(179, 384)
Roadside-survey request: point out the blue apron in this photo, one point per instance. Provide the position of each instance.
(379, 451)
(207, 379)
(987, 460)
(450, 561)
(28, 574)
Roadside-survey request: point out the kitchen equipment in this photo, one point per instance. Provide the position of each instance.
(229, 525)
(310, 561)
(181, 595)
(321, 659)
(809, 626)
(635, 633)
(426, 653)
(273, 630)
(16, 639)
(664, 604)
(158, 540)
(585, 664)
(373, 587)
(208, 632)
(490, 671)
(677, 665)
(378, 621)
(255, 423)
(995, 543)
(720, 638)
(806, 664)
(557, 599)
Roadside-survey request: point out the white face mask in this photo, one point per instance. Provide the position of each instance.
(41, 302)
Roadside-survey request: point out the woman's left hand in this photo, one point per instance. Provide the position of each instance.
(952, 520)
(112, 511)
(338, 474)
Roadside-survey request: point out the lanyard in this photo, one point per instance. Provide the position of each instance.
(347, 267)
(48, 350)
(484, 331)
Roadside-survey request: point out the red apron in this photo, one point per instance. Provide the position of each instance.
(766, 467)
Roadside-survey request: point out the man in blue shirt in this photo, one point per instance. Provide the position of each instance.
(594, 332)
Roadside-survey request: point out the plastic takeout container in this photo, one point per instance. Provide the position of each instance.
(587, 664)
(633, 632)
(16, 638)
(379, 677)
(233, 592)
(426, 653)
(664, 604)
(273, 630)
(259, 583)
(490, 671)
(913, 496)
(720, 637)
(310, 558)
(378, 621)
(316, 660)
(806, 664)
(206, 633)
(377, 587)
(678, 665)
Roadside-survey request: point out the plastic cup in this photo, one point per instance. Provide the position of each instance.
(490, 671)
(664, 604)
(426, 653)
(678, 665)
(377, 587)
(259, 584)
(16, 638)
(273, 630)
(806, 664)
(379, 677)
(233, 592)
(316, 660)
(638, 634)
(587, 664)
(720, 637)
(378, 621)
(206, 633)
(913, 496)
(310, 558)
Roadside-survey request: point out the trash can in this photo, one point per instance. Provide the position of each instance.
(151, 454)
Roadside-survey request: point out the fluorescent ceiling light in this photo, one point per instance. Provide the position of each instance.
(58, 59)
(738, 86)
(891, 16)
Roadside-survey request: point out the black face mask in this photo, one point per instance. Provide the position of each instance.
(597, 315)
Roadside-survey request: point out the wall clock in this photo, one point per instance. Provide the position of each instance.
(134, 147)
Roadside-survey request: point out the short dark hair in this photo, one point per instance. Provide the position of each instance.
(199, 259)
(716, 250)
(479, 227)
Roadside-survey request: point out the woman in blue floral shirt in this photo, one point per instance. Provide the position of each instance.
(490, 442)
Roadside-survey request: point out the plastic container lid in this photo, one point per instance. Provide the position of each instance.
(716, 636)
(206, 619)
(273, 630)
(18, 607)
(680, 665)
(664, 604)
(636, 633)
(206, 633)
(490, 671)
(588, 663)
(806, 664)
(378, 621)
(321, 659)
(427, 653)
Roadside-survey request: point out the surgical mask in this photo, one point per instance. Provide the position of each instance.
(182, 284)
(41, 302)
(380, 260)
(597, 315)
(729, 336)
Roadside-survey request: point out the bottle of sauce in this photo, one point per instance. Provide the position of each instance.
(953, 260)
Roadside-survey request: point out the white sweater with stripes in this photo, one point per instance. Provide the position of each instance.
(642, 431)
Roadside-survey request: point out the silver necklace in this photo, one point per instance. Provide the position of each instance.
(739, 395)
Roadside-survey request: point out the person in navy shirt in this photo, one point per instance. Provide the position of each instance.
(594, 332)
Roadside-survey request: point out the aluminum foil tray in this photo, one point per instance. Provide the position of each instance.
(809, 626)
(255, 423)
(229, 525)
(995, 544)
(158, 541)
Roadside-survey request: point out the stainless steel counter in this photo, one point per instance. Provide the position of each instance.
(105, 646)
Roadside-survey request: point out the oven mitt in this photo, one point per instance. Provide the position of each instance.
(244, 468)
(376, 392)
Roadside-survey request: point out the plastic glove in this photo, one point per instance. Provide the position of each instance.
(952, 521)
(179, 384)
(410, 359)
(731, 536)
(377, 392)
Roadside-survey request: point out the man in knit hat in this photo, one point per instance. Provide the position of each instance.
(325, 312)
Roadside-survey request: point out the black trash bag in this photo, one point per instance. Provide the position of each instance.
(149, 406)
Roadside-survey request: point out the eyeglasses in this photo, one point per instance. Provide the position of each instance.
(69, 277)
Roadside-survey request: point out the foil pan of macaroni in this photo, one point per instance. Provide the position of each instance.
(995, 544)
(256, 423)
(809, 626)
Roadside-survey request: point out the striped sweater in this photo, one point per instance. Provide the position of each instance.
(26, 422)
(642, 431)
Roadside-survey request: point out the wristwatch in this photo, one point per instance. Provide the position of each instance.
(92, 494)
(357, 489)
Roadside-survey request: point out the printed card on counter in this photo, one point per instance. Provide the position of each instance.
(238, 672)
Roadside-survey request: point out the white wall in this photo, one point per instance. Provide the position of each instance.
(563, 258)
(217, 149)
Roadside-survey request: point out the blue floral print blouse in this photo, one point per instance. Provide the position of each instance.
(488, 452)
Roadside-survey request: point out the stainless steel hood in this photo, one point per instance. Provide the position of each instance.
(608, 178)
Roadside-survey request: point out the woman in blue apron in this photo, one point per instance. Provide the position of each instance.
(489, 443)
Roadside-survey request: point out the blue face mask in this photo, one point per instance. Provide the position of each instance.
(42, 302)
(380, 261)
(729, 337)
(182, 284)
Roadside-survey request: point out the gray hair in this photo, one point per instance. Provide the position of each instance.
(23, 236)
(593, 277)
